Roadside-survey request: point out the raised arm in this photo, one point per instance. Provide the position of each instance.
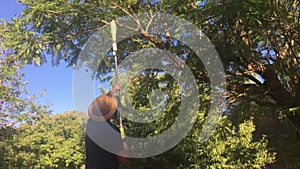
(122, 156)
(114, 90)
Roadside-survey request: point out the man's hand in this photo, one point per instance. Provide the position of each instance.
(121, 156)
(125, 146)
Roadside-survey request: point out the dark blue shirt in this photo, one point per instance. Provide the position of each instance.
(102, 141)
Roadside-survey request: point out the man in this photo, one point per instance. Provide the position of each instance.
(104, 147)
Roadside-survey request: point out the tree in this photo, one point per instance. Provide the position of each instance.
(16, 105)
(229, 147)
(258, 42)
(30, 137)
(261, 48)
(50, 142)
(261, 65)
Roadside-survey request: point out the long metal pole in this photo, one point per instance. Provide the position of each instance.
(114, 46)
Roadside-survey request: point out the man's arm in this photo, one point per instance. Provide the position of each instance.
(122, 156)
(114, 90)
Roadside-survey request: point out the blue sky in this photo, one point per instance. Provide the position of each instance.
(57, 81)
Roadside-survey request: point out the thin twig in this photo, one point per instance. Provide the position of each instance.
(128, 27)
(149, 23)
(129, 14)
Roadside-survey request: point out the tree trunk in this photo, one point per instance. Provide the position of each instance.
(283, 97)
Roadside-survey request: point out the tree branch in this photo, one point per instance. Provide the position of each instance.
(154, 40)
(276, 90)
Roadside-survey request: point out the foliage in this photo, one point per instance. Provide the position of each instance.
(29, 136)
(50, 142)
(229, 147)
(16, 105)
(238, 150)
(257, 40)
(260, 51)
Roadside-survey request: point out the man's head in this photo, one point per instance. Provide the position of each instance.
(103, 108)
